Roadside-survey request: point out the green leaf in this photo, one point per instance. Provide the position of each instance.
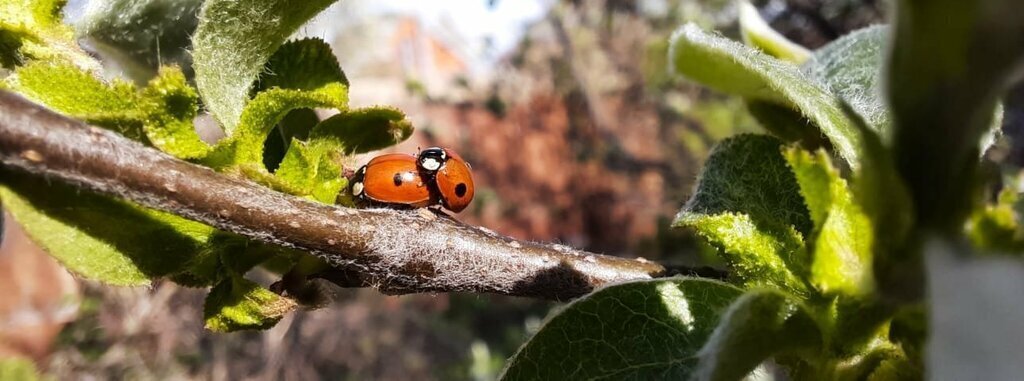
(87, 234)
(307, 64)
(733, 68)
(363, 130)
(302, 74)
(233, 42)
(638, 330)
(756, 32)
(81, 95)
(851, 67)
(748, 204)
(170, 105)
(758, 325)
(141, 35)
(240, 304)
(314, 167)
(33, 30)
(950, 62)
(843, 234)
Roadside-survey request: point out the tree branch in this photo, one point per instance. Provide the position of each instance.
(393, 250)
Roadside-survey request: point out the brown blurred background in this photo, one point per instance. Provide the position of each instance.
(576, 134)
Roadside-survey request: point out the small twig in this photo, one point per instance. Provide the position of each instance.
(395, 251)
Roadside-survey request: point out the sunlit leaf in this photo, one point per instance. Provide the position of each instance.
(733, 68)
(232, 44)
(79, 94)
(240, 304)
(640, 330)
(748, 204)
(756, 32)
(170, 105)
(87, 233)
(842, 236)
(34, 30)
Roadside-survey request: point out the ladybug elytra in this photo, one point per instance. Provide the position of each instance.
(452, 176)
(392, 179)
(435, 176)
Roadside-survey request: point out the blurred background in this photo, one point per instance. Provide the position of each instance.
(576, 134)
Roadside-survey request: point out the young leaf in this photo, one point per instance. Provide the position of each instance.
(638, 330)
(757, 33)
(748, 203)
(81, 95)
(950, 62)
(758, 325)
(233, 42)
(307, 64)
(314, 169)
(169, 105)
(731, 67)
(314, 166)
(842, 235)
(302, 74)
(363, 130)
(850, 67)
(240, 304)
(33, 30)
(86, 233)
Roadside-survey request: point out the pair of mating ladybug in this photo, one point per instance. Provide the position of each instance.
(435, 176)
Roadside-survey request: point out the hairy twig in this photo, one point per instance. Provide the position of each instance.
(394, 250)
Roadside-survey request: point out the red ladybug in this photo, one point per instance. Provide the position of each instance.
(451, 176)
(393, 179)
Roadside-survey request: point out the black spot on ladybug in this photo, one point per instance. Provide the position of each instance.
(398, 179)
(460, 190)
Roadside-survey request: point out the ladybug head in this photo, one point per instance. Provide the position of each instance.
(432, 159)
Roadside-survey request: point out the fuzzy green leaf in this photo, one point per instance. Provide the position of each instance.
(169, 105)
(86, 233)
(302, 74)
(307, 64)
(81, 95)
(851, 67)
(748, 204)
(33, 30)
(756, 32)
(950, 62)
(240, 304)
(233, 42)
(141, 35)
(842, 234)
(758, 325)
(363, 130)
(314, 167)
(731, 67)
(639, 330)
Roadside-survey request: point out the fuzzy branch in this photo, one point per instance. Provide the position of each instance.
(395, 251)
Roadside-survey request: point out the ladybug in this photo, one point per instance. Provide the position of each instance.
(452, 176)
(393, 179)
